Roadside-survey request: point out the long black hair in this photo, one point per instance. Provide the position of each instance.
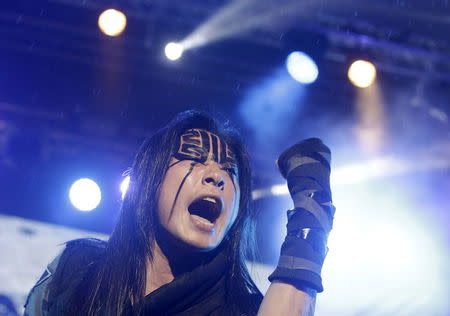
(120, 275)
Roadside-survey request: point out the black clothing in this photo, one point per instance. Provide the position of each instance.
(202, 291)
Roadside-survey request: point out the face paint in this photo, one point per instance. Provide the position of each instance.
(181, 185)
(199, 155)
(200, 145)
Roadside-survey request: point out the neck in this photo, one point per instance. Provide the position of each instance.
(159, 271)
(169, 259)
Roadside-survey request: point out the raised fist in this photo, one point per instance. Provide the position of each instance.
(306, 167)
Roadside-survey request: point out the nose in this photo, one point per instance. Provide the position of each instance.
(213, 176)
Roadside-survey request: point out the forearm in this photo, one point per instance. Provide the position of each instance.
(297, 277)
(285, 299)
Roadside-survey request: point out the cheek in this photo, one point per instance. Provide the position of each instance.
(169, 188)
(167, 194)
(163, 203)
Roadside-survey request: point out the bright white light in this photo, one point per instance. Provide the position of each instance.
(381, 237)
(112, 22)
(371, 169)
(392, 247)
(301, 67)
(85, 194)
(173, 50)
(279, 189)
(376, 168)
(124, 186)
(362, 73)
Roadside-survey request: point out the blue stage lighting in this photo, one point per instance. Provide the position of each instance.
(85, 195)
(301, 67)
(270, 107)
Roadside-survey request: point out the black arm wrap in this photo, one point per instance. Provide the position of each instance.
(306, 166)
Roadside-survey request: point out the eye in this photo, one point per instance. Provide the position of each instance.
(198, 160)
(231, 171)
(193, 160)
(199, 156)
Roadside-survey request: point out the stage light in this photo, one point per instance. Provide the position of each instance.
(173, 50)
(112, 22)
(274, 100)
(124, 186)
(362, 73)
(279, 189)
(379, 236)
(393, 246)
(85, 194)
(301, 67)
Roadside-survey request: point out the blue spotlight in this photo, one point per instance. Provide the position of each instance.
(85, 194)
(301, 67)
(271, 106)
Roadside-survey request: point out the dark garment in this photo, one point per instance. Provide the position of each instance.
(199, 292)
(202, 291)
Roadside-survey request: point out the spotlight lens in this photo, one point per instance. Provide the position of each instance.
(112, 22)
(85, 194)
(173, 50)
(124, 186)
(301, 67)
(362, 73)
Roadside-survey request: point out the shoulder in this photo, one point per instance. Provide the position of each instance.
(76, 264)
(78, 254)
(75, 260)
(76, 267)
(62, 271)
(86, 243)
(81, 251)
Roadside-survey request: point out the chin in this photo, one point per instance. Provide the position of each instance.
(202, 244)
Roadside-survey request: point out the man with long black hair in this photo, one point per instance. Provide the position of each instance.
(185, 226)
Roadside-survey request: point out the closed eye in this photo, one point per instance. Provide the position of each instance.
(199, 160)
(193, 160)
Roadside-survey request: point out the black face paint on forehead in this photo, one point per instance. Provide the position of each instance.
(199, 145)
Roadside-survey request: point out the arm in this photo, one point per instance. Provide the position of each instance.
(297, 277)
(285, 299)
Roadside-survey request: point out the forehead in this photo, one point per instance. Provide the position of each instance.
(202, 144)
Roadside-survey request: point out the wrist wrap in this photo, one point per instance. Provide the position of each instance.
(306, 166)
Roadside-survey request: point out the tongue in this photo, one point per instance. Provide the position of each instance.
(202, 219)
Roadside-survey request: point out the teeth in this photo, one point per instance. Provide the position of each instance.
(209, 199)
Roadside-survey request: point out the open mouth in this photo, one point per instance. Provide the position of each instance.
(208, 208)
